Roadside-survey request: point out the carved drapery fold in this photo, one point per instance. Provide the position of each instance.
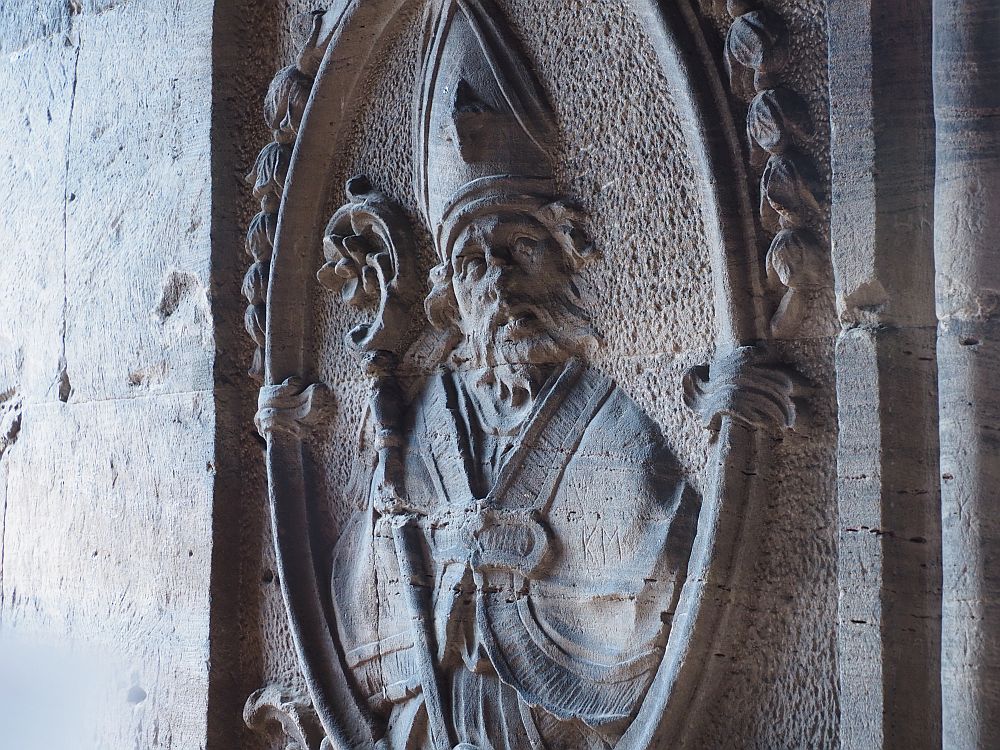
(747, 386)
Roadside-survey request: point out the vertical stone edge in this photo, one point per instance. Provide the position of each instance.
(244, 40)
(888, 498)
(967, 253)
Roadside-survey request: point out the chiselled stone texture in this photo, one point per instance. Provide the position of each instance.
(107, 404)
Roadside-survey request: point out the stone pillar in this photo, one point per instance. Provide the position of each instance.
(967, 257)
(117, 508)
(881, 227)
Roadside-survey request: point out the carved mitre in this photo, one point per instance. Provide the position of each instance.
(484, 128)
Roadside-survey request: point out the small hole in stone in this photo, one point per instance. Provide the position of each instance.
(268, 577)
(969, 341)
(190, 553)
(136, 695)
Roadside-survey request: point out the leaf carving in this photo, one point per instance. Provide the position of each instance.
(260, 236)
(269, 174)
(755, 44)
(797, 260)
(285, 103)
(255, 283)
(787, 193)
(370, 254)
(255, 320)
(777, 118)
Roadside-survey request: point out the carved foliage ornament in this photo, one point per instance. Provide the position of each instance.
(522, 569)
(284, 107)
(778, 124)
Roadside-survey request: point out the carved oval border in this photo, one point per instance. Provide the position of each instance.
(351, 32)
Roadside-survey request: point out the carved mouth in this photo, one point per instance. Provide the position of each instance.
(517, 319)
(522, 320)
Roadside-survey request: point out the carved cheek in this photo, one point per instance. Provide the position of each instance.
(464, 295)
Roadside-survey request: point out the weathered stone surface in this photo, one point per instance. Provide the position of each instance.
(889, 523)
(84, 515)
(138, 239)
(39, 85)
(889, 507)
(107, 540)
(32, 20)
(967, 262)
(132, 487)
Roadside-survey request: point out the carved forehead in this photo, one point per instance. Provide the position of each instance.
(499, 226)
(487, 214)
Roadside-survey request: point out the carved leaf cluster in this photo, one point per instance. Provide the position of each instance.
(284, 107)
(369, 250)
(350, 250)
(276, 709)
(777, 123)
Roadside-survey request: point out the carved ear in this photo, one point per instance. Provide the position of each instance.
(565, 222)
(441, 306)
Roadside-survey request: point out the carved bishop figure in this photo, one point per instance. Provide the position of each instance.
(513, 588)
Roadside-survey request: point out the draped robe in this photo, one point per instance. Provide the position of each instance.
(550, 590)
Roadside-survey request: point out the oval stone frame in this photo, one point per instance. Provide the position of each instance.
(744, 395)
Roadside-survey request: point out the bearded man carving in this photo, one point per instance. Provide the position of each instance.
(554, 528)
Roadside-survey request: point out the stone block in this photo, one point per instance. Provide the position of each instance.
(38, 85)
(139, 213)
(107, 552)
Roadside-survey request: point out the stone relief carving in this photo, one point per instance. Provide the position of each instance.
(526, 567)
(777, 124)
(275, 708)
(283, 109)
(464, 589)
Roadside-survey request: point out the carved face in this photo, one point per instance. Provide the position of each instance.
(511, 286)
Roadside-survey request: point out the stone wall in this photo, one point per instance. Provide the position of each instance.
(110, 470)
(138, 575)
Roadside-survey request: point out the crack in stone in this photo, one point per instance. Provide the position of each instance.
(10, 426)
(63, 377)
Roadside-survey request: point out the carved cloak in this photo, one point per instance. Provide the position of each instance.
(561, 581)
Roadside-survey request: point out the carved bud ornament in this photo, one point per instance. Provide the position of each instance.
(778, 124)
(284, 107)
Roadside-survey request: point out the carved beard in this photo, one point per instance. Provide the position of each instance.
(519, 344)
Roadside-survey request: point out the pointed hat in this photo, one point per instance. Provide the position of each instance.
(484, 128)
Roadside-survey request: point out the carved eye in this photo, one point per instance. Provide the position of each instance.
(524, 246)
(471, 261)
